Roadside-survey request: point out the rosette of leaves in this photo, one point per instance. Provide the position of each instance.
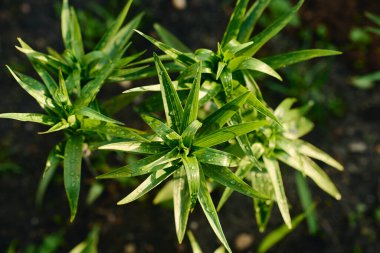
(233, 69)
(184, 148)
(70, 104)
(275, 144)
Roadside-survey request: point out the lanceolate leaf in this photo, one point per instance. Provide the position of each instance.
(48, 80)
(227, 133)
(34, 88)
(260, 39)
(310, 150)
(169, 39)
(76, 36)
(65, 24)
(116, 25)
(236, 21)
(241, 172)
(283, 60)
(222, 115)
(168, 135)
(255, 103)
(188, 134)
(52, 163)
(312, 170)
(41, 58)
(257, 65)
(30, 117)
(192, 103)
(278, 234)
(172, 103)
(115, 48)
(72, 166)
(181, 201)
(57, 127)
(227, 178)
(210, 212)
(91, 89)
(93, 114)
(139, 147)
(193, 242)
(175, 54)
(192, 172)
(250, 20)
(104, 128)
(151, 182)
(146, 165)
(216, 157)
(276, 178)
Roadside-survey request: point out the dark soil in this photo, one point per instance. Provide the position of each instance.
(349, 225)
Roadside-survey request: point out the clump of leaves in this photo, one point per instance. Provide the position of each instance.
(70, 103)
(182, 147)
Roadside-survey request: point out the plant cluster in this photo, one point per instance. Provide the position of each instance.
(217, 127)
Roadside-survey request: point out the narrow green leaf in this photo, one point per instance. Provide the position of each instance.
(226, 78)
(181, 201)
(222, 115)
(150, 183)
(169, 39)
(41, 58)
(310, 150)
(175, 54)
(261, 182)
(257, 65)
(188, 134)
(263, 37)
(61, 93)
(34, 88)
(166, 192)
(125, 61)
(118, 102)
(306, 201)
(255, 103)
(57, 127)
(138, 147)
(374, 18)
(221, 66)
(193, 242)
(65, 24)
(278, 234)
(30, 117)
(208, 91)
(114, 28)
(276, 178)
(110, 129)
(190, 112)
(72, 166)
(210, 212)
(51, 166)
(241, 172)
(48, 80)
(172, 103)
(91, 89)
(153, 88)
(227, 133)
(236, 20)
(216, 157)
(143, 166)
(117, 44)
(168, 135)
(93, 114)
(283, 60)
(250, 20)
(192, 172)
(76, 36)
(312, 170)
(226, 177)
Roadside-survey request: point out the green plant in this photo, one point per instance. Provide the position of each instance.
(222, 122)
